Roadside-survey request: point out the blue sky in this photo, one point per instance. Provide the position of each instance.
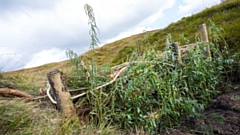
(37, 32)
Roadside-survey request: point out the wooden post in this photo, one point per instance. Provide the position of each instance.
(62, 96)
(167, 43)
(204, 37)
(203, 32)
(178, 51)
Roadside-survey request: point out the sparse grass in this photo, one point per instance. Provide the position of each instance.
(33, 118)
(20, 117)
(28, 84)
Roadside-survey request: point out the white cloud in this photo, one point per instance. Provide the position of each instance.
(159, 13)
(46, 56)
(9, 59)
(31, 30)
(193, 6)
(135, 16)
(128, 33)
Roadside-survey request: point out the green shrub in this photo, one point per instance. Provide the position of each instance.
(123, 55)
(154, 91)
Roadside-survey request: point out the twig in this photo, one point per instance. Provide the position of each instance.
(112, 79)
(80, 95)
(48, 94)
(72, 90)
(121, 65)
(39, 97)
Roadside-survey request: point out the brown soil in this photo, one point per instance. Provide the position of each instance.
(222, 117)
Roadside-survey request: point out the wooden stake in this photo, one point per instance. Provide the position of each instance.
(63, 97)
(204, 37)
(203, 32)
(178, 51)
(167, 43)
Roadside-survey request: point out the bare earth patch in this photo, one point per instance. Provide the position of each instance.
(222, 117)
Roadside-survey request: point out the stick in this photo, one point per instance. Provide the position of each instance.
(39, 97)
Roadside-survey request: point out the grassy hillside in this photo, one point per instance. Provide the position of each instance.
(225, 16)
(152, 95)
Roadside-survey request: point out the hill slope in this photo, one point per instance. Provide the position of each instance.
(225, 15)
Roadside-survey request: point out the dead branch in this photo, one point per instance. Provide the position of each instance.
(14, 92)
(112, 79)
(48, 94)
(39, 97)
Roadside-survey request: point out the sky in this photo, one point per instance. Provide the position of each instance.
(36, 32)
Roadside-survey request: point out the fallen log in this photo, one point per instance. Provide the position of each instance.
(14, 92)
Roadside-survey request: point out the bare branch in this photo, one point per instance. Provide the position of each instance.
(14, 92)
(48, 94)
(39, 97)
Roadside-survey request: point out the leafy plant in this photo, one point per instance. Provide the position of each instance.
(93, 26)
(156, 91)
(153, 92)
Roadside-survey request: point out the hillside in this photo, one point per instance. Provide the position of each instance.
(225, 16)
(151, 94)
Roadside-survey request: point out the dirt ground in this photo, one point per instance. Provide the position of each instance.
(222, 117)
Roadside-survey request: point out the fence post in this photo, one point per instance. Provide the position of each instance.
(204, 37)
(178, 51)
(63, 97)
(167, 43)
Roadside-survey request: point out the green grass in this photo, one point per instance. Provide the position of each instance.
(20, 117)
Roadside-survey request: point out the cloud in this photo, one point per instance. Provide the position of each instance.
(193, 6)
(33, 27)
(9, 60)
(7, 6)
(28, 31)
(114, 19)
(128, 33)
(46, 56)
